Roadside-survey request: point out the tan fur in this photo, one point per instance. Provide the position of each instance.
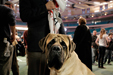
(72, 64)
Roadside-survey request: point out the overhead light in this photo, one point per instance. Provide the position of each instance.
(79, 2)
(104, 3)
(66, 0)
(93, 22)
(21, 28)
(65, 29)
(96, 11)
(111, 1)
(97, 3)
(15, 4)
(105, 13)
(80, 16)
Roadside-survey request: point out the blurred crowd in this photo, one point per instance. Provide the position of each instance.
(90, 48)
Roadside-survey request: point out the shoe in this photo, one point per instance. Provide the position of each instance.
(98, 67)
(109, 64)
(103, 67)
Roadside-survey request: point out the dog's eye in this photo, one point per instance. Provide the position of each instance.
(50, 43)
(64, 47)
(63, 44)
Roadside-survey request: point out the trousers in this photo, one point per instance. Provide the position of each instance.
(5, 62)
(37, 64)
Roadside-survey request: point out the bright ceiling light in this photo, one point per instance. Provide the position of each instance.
(15, 4)
(21, 28)
(96, 11)
(97, 3)
(79, 2)
(111, 1)
(66, 0)
(80, 16)
(104, 3)
(65, 29)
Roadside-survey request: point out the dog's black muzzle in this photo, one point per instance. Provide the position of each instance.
(55, 55)
(56, 48)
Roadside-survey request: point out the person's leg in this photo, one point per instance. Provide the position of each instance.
(109, 59)
(26, 55)
(37, 64)
(15, 67)
(106, 55)
(93, 55)
(99, 56)
(44, 67)
(96, 55)
(103, 53)
(5, 62)
(34, 63)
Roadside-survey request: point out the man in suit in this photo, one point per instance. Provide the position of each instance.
(35, 13)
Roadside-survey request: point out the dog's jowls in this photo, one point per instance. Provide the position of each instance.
(61, 58)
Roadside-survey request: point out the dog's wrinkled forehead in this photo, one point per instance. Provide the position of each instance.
(58, 38)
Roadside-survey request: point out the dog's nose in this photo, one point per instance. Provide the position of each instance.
(56, 48)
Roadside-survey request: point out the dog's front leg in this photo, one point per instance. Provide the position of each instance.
(52, 72)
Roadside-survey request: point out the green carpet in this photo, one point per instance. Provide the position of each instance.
(97, 71)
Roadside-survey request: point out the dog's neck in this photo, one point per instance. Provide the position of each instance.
(63, 69)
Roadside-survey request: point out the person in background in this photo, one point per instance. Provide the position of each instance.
(35, 13)
(94, 47)
(102, 38)
(108, 51)
(82, 38)
(25, 43)
(15, 67)
(17, 37)
(7, 26)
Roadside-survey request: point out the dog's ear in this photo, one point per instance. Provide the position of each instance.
(72, 45)
(42, 43)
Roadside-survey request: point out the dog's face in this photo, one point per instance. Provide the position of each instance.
(58, 48)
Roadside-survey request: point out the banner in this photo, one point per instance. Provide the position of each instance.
(69, 12)
(106, 6)
(88, 10)
(83, 11)
(101, 7)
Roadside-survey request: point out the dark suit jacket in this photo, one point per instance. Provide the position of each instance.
(34, 12)
(82, 39)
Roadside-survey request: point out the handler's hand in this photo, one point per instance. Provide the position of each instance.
(12, 37)
(50, 5)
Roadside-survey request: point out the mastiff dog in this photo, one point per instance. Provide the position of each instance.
(61, 57)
